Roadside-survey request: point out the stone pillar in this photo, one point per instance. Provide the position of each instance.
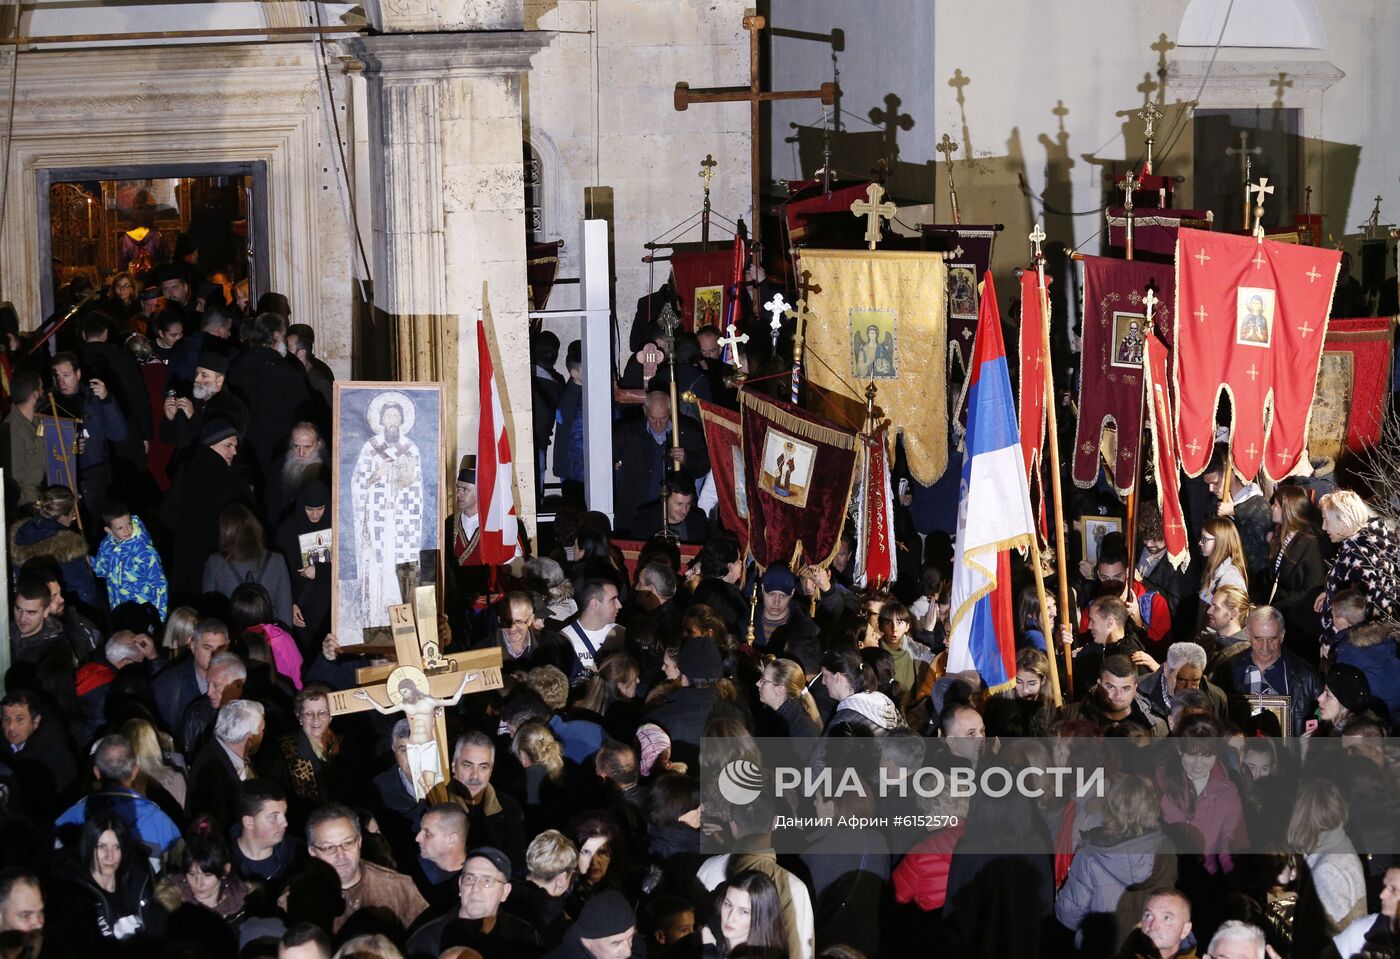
(445, 140)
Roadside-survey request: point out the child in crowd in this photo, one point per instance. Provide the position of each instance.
(128, 561)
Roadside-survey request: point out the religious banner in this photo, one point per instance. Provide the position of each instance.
(723, 440)
(60, 435)
(967, 251)
(387, 498)
(1353, 386)
(814, 218)
(1251, 318)
(541, 265)
(1155, 231)
(495, 477)
(882, 322)
(702, 283)
(799, 471)
(1164, 453)
(1110, 383)
(1033, 368)
(875, 547)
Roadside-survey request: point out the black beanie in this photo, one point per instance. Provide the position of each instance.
(606, 914)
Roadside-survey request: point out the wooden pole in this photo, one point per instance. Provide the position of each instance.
(1047, 624)
(1052, 428)
(63, 455)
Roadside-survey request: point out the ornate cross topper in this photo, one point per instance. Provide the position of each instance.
(874, 211)
(707, 170)
(731, 343)
(1149, 115)
(1037, 237)
(776, 308)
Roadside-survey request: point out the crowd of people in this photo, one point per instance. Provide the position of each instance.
(176, 781)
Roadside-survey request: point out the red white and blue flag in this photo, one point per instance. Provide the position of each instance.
(994, 512)
(495, 478)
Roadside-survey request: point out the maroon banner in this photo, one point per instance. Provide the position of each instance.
(541, 265)
(1154, 231)
(798, 471)
(723, 439)
(703, 284)
(1110, 383)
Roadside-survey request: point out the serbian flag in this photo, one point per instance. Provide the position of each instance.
(495, 480)
(994, 513)
(1251, 316)
(1164, 454)
(875, 562)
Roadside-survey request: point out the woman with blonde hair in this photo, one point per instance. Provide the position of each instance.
(1224, 556)
(546, 783)
(783, 688)
(50, 533)
(150, 760)
(611, 697)
(179, 627)
(1368, 556)
(1317, 831)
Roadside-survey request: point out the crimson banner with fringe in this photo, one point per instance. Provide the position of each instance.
(1164, 454)
(1353, 386)
(724, 441)
(798, 472)
(1110, 383)
(1250, 320)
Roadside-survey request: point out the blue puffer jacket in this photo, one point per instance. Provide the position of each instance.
(1381, 664)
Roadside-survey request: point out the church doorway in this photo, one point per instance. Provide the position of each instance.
(98, 223)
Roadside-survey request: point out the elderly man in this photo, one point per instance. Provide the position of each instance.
(442, 851)
(1115, 699)
(1184, 669)
(188, 679)
(275, 389)
(397, 807)
(114, 764)
(492, 818)
(642, 456)
(227, 759)
(227, 674)
(21, 901)
(1377, 927)
(333, 836)
(1268, 669)
(185, 416)
(524, 645)
(1236, 940)
(303, 461)
(478, 922)
(1165, 929)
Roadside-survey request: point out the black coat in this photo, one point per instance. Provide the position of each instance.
(190, 516)
(640, 464)
(1301, 572)
(117, 368)
(214, 784)
(278, 397)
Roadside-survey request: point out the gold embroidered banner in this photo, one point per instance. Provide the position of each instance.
(881, 317)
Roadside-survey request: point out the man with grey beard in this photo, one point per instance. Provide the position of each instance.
(305, 460)
(185, 415)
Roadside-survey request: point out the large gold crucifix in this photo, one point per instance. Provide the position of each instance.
(419, 684)
(755, 97)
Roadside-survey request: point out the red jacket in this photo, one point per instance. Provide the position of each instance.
(922, 876)
(1159, 623)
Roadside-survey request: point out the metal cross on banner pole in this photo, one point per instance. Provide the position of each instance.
(776, 308)
(947, 147)
(874, 211)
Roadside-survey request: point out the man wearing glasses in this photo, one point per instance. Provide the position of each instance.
(478, 923)
(333, 836)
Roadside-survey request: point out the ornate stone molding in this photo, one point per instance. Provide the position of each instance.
(412, 16)
(430, 56)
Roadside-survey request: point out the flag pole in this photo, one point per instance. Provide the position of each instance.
(1057, 497)
(1047, 626)
(1149, 301)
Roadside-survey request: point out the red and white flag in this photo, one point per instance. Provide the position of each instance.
(495, 478)
(1251, 315)
(875, 562)
(1164, 454)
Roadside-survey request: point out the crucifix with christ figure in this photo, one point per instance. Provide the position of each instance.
(754, 96)
(420, 684)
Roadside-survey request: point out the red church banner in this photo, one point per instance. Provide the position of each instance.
(1251, 317)
(1164, 455)
(723, 440)
(1110, 385)
(1353, 386)
(702, 283)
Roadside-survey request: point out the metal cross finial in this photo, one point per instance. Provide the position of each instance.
(1149, 300)
(874, 211)
(947, 147)
(775, 308)
(1131, 184)
(707, 170)
(731, 343)
(1261, 188)
(1037, 237)
(1149, 115)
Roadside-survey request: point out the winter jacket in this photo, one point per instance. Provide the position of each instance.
(24, 457)
(1217, 817)
(1369, 558)
(142, 816)
(286, 657)
(132, 569)
(1381, 664)
(1102, 871)
(1154, 690)
(1338, 879)
(131, 914)
(41, 536)
(922, 876)
(1303, 683)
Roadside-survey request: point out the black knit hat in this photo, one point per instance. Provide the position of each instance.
(1349, 686)
(606, 914)
(213, 362)
(699, 658)
(216, 430)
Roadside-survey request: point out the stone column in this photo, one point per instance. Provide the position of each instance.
(445, 140)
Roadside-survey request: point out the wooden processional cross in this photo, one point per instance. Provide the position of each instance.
(754, 96)
(874, 211)
(419, 683)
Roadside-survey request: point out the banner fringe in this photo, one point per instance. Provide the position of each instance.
(793, 424)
